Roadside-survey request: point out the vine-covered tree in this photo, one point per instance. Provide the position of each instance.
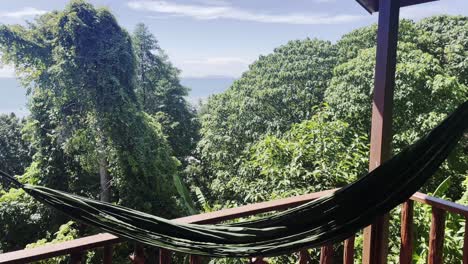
(15, 152)
(159, 90)
(85, 117)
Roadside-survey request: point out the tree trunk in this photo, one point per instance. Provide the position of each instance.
(104, 179)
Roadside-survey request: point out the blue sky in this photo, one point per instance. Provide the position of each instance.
(220, 37)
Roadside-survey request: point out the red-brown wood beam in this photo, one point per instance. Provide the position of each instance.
(304, 256)
(348, 250)
(407, 237)
(138, 255)
(465, 243)
(164, 256)
(76, 257)
(436, 237)
(326, 254)
(195, 259)
(107, 254)
(375, 248)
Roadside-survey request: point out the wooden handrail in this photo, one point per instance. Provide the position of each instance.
(445, 205)
(252, 209)
(59, 249)
(100, 240)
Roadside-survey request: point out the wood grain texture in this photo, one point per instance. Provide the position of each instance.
(407, 232)
(375, 246)
(326, 254)
(436, 236)
(164, 256)
(465, 243)
(348, 250)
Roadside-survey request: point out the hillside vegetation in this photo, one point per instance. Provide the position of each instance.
(109, 120)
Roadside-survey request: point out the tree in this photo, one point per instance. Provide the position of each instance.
(22, 220)
(315, 155)
(446, 37)
(160, 93)
(15, 153)
(425, 92)
(279, 90)
(79, 66)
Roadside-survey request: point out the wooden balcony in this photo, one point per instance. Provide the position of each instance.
(76, 248)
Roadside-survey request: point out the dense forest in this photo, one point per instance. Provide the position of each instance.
(109, 119)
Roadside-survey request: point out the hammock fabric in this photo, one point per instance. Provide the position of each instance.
(329, 219)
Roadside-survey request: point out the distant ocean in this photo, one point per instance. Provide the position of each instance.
(13, 96)
(202, 87)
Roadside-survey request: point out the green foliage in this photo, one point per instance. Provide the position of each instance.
(446, 37)
(160, 93)
(85, 93)
(66, 232)
(279, 90)
(97, 94)
(454, 231)
(15, 153)
(21, 218)
(249, 152)
(316, 154)
(79, 66)
(425, 92)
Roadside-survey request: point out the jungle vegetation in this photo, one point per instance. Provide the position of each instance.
(110, 120)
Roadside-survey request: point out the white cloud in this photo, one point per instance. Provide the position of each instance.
(7, 71)
(27, 11)
(417, 12)
(226, 11)
(214, 66)
(213, 2)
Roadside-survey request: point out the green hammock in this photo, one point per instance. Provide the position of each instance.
(329, 219)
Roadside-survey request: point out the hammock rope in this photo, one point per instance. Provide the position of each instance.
(329, 219)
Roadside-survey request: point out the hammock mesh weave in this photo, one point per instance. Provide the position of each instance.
(329, 219)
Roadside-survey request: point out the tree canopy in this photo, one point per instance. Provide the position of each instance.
(426, 87)
(109, 119)
(15, 152)
(160, 93)
(282, 89)
(279, 90)
(80, 66)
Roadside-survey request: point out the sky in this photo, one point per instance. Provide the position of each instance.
(213, 38)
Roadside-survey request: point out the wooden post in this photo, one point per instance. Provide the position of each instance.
(138, 255)
(195, 259)
(436, 236)
(375, 248)
(76, 257)
(407, 237)
(107, 254)
(164, 256)
(304, 256)
(465, 243)
(259, 260)
(348, 251)
(326, 254)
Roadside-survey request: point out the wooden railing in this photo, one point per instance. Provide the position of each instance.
(76, 248)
